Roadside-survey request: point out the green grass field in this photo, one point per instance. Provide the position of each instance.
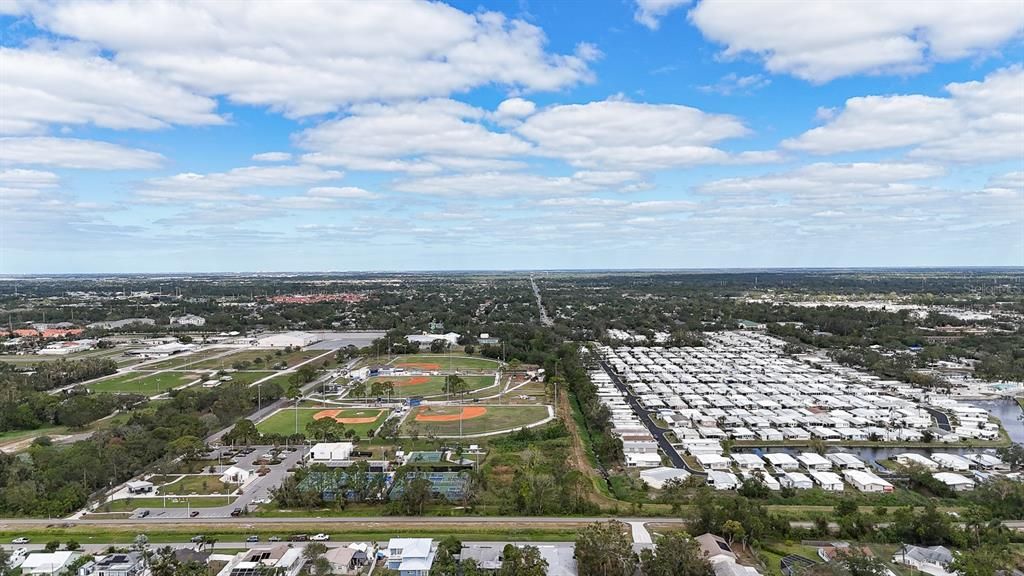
(168, 502)
(269, 357)
(178, 361)
(283, 421)
(496, 418)
(429, 386)
(146, 383)
(441, 362)
(248, 377)
(200, 484)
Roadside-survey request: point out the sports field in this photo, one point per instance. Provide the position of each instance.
(179, 360)
(441, 362)
(248, 377)
(267, 358)
(283, 421)
(407, 386)
(476, 419)
(147, 383)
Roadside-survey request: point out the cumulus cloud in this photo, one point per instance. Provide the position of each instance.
(38, 88)
(628, 135)
(650, 12)
(733, 83)
(306, 57)
(823, 40)
(513, 184)
(397, 137)
(979, 121)
(75, 153)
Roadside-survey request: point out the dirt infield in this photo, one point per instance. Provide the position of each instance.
(346, 420)
(468, 413)
(419, 365)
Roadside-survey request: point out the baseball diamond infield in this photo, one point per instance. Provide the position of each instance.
(467, 413)
(345, 419)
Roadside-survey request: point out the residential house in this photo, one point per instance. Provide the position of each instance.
(411, 556)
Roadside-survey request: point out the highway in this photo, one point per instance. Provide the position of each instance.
(544, 319)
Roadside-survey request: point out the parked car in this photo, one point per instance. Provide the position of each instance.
(143, 513)
(252, 538)
(320, 537)
(274, 539)
(20, 540)
(298, 538)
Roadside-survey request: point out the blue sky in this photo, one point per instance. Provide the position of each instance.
(161, 137)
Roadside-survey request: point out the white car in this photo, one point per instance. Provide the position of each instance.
(21, 540)
(320, 537)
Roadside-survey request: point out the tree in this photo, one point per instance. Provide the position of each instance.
(676, 554)
(72, 545)
(603, 549)
(525, 561)
(244, 432)
(52, 546)
(325, 430)
(415, 496)
(438, 346)
(983, 561)
(188, 447)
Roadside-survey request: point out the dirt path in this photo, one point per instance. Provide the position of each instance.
(578, 456)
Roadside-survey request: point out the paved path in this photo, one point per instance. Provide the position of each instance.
(640, 533)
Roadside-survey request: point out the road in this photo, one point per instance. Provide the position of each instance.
(544, 320)
(645, 417)
(940, 418)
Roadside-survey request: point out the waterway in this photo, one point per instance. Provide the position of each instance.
(1006, 409)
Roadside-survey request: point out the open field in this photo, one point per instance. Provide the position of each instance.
(269, 358)
(248, 377)
(443, 363)
(128, 505)
(146, 383)
(408, 386)
(476, 419)
(198, 484)
(283, 421)
(180, 360)
(30, 359)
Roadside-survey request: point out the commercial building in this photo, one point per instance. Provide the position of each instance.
(188, 320)
(426, 339)
(115, 324)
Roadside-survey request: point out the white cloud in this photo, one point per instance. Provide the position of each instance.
(979, 121)
(22, 177)
(346, 192)
(231, 185)
(628, 135)
(515, 108)
(381, 137)
(75, 153)
(513, 184)
(733, 83)
(307, 58)
(38, 88)
(826, 39)
(272, 157)
(650, 12)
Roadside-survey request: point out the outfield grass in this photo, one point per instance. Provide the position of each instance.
(443, 363)
(270, 358)
(283, 421)
(433, 386)
(146, 383)
(249, 376)
(496, 418)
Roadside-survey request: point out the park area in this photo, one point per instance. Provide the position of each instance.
(443, 363)
(147, 383)
(259, 359)
(197, 484)
(409, 386)
(360, 420)
(475, 419)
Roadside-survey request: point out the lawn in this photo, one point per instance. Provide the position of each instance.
(198, 484)
(407, 386)
(147, 383)
(248, 377)
(180, 360)
(444, 421)
(283, 421)
(442, 362)
(128, 505)
(269, 357)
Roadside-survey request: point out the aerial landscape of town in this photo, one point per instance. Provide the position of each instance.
(512, 287)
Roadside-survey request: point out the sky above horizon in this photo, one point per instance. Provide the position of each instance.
(403, 135)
